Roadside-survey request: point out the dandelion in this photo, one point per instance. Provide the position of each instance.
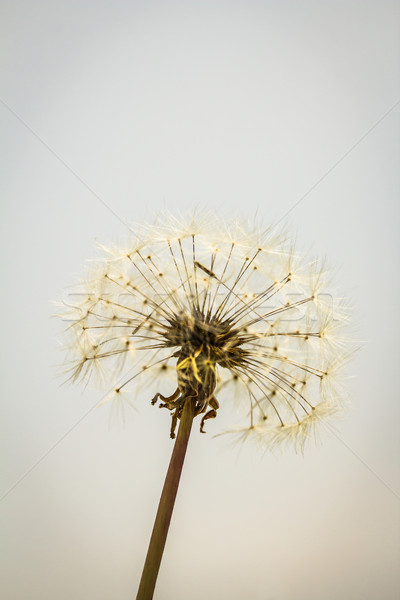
(203, 314)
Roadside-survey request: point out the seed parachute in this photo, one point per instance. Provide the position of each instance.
(219, 313)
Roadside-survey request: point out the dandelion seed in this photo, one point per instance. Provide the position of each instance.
(221, 312)
(216, 305)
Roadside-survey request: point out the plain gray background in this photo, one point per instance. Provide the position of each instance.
(110, 112)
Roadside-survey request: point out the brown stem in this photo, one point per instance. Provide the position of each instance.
(166, 505)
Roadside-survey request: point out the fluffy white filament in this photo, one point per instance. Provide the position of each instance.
(284, 318)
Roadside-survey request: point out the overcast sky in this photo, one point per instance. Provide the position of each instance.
(111, 112)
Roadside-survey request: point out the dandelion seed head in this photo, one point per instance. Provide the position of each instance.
(225, 314)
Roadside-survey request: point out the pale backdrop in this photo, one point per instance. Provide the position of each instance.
(110, 112)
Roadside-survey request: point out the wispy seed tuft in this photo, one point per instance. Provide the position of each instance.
(231, 311)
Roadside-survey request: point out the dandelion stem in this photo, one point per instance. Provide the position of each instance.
(166, 505)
